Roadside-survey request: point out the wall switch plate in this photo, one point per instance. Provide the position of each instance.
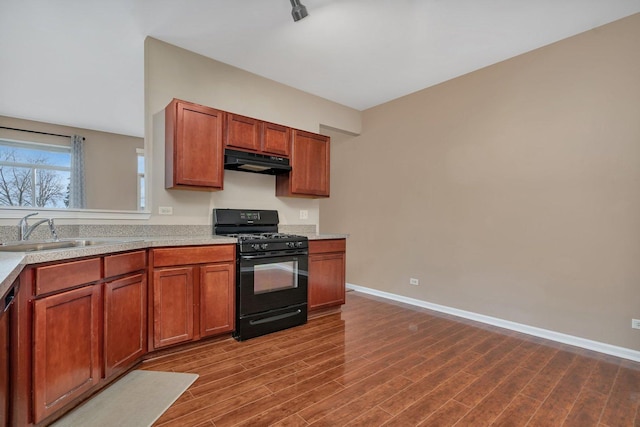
(304, 214)
(414, 282)
(635, 323)
(165, 210)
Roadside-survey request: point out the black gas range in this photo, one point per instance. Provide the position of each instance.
(271, 273)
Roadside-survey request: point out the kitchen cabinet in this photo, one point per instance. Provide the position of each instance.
(276, 139)
(193, 293)
(217, 285)
(5, 366)
(327, 263)
(242, 132)
(79, 324)
(194, 154)
(66, 333)
(125, 311)
(196, 136)
(66, 359)
(172, 306)
(310, 166)
(4, 369)
(246, 133)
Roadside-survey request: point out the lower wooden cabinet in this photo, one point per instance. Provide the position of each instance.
(80, 323)
(327, 262)
(66, 348)
(4, 367)
(125, 322)
(217, 286)
(172, 306)
(194, 300)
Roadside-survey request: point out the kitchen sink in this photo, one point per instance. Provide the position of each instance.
(31, 246)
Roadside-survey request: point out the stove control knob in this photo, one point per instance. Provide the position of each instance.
(299, 244)
(290, 244)
(255, 246)
(264, 246)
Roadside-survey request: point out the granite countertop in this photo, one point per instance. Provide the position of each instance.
(12, 263)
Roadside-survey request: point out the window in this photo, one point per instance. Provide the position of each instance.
(34, 174)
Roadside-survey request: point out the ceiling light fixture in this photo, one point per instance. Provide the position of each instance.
(299, 11)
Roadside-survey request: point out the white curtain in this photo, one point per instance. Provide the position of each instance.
(76, 187)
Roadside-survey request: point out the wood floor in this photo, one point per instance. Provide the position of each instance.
(382, 363)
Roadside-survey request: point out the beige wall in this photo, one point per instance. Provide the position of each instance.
(111, 166)
(513, 191)
(172, 72)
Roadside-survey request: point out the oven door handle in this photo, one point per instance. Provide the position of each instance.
(248, 257)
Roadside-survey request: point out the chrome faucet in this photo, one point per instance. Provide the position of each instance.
(26, 229)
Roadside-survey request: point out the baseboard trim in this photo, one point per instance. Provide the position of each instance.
(625, 353)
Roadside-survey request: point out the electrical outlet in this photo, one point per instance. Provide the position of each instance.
(165, 210)
(414, 282)
(635, 323)
(304, 214)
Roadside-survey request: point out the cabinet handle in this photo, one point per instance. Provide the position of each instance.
(8, 299)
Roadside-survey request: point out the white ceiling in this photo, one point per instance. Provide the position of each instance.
(80, 62)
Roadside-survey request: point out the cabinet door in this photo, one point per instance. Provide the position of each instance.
(326, 280)
(217, 301)
(66, 360)
(125, 322)
(4, 368)
(242, 132)
(172, 306)
(309, 176)
(276, 139)
(193, 144)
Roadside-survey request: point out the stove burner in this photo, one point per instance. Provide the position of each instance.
(264, 236)
(269, 242)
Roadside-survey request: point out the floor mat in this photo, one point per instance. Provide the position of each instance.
(136, 400)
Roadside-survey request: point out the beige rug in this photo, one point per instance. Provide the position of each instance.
(136, 400)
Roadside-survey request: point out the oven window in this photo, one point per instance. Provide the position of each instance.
(275, 276)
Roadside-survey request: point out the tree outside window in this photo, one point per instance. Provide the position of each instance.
(34, 175)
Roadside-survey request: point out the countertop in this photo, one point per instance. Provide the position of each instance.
(12, 263)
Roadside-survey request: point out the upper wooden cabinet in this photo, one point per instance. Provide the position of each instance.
(276, 139)
(193, 146)
(195, 138)
(310, 163)
(246, 133)
(242, 132)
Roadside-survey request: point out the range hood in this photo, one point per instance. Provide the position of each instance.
(256, 163)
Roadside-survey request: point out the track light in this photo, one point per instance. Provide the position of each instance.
(299, 11)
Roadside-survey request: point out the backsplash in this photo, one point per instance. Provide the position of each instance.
(297, 228)
(10, 233)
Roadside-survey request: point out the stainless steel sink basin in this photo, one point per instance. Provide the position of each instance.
(31, 246)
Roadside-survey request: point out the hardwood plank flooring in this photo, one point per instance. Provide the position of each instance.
(384, 363)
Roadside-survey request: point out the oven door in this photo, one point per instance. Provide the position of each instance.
(271, 281)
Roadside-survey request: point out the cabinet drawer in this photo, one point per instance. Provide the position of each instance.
(116, 265)
(167, 257)
(53, 278)
(324, 246)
